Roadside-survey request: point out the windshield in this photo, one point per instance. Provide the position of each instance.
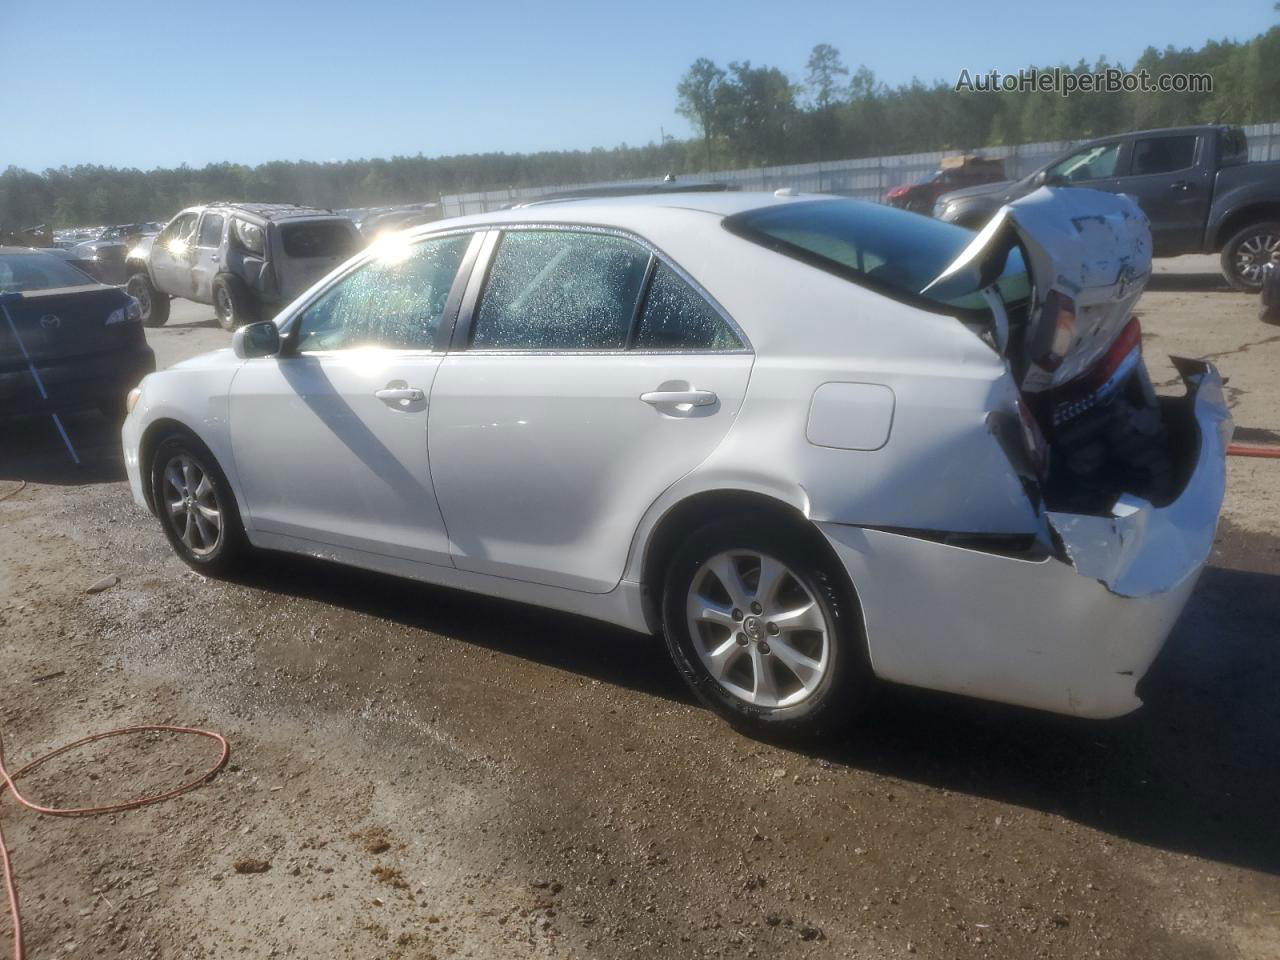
(38, 271)
(889, 250)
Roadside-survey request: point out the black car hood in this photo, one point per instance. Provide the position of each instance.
(981, 190)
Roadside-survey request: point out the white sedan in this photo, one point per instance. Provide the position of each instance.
(812, 441)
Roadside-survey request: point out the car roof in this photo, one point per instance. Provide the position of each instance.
(1163, 131)
(266, 211)
(627, 189)
(625, 212)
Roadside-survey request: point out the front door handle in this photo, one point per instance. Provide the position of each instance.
(694, 398)
(1183, 185)
(400, 394)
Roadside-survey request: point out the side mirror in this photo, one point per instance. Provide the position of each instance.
(1057, 181)
(261, 339)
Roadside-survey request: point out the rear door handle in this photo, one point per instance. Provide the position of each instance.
(401, 394)
(695, 398)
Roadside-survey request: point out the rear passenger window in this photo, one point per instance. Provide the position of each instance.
(560, 290)
(394, 301)
(248, 236)
(210, 230)
(1163, 155)
(677, 317)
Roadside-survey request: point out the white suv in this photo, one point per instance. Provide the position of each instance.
(813, 441)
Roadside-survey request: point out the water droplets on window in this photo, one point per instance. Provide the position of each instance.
(676, 317)
(395, 302)
(560, 290)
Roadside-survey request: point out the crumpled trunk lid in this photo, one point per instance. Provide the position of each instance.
(1088, 252)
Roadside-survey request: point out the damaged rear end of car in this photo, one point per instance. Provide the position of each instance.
(1126, 485)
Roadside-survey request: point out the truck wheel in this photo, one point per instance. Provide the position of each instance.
(153, 304)
(232, 302)
(1248, 251)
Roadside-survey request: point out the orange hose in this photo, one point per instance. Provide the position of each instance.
(1240, 450)
(7, 778)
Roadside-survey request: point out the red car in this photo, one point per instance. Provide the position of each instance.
(952, 174)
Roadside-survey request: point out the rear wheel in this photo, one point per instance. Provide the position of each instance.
(762, 631)
(232, 302)
(196, 507)
(1247, 252)
(153, 304)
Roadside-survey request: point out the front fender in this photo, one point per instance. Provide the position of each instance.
(193, 397)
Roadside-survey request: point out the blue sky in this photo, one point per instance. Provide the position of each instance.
(146, 83)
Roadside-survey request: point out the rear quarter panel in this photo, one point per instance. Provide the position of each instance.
(1236, 189)
(940, 467)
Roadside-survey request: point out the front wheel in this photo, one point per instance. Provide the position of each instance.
(764, 632)
(1248, 251)
(196, 507)
(153, 304)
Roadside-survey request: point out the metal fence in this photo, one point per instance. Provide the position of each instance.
(867, 178)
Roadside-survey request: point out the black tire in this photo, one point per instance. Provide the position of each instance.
(1252, 245)
(845, 687)
(1270, 309)
(217, 557)
(154, 304)
(232, 302)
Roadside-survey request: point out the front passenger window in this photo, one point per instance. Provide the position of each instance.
(1091, 163)
(396, 300)
(177, 236)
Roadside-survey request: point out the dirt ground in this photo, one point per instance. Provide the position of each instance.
(431, 774)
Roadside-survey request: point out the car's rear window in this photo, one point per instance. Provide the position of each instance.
(322, 238)
(38, 271)
(886, 249)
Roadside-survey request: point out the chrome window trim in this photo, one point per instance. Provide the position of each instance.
(394, 353)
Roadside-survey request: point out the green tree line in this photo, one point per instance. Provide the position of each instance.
(743, 114)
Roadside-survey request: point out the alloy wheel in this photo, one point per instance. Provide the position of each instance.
(142, 293)
(1254, 253)
(223, 305)
(758, 629)
(193, 506)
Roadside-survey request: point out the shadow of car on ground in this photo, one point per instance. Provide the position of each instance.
(1192, 772)
(32, 449)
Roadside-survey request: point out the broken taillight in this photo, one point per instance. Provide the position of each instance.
(1057, 330)
(1082, 394)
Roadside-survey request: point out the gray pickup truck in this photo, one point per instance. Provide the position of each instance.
(1195, 184)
